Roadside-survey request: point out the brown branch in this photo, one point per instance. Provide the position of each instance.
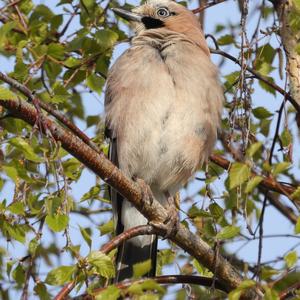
(283, 209)
(167, 279)
(126, 235)
(153, 211)
(210, 4)
(21, 17)
(260, 77)
(290, 291)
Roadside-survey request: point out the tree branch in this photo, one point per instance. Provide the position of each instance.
(154, 211)
(262, 78)
(210, 4)
(168, 279)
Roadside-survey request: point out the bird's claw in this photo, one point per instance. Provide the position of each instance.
(147, 194)
(170, 225)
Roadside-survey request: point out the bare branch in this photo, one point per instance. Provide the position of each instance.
(210, 4)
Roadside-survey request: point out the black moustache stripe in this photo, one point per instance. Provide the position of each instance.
(152, 23)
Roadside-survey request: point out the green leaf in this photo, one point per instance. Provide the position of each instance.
(19, 274)
(266, 86)
(93, 193)
(225, 40)
(16, 232)
(57, 222)
(142, 268)
(86, 234)
(107, 227)
(238, 174)
(95, 83)
(72, 168)
(228, 232)
(102, 263)
(33, 244)
(26, 149)
(56, 51)
(270, 294)
(267, 272)
(253, 149)
(6, 94)
(106, 38)
(216, 210)
(246, 284)
(291, 259)
(286, 138)
(194, 212)
(297, 48)
(111, 293)
(4, 30)
(281, 167)
(253, 183)
(297, 226)
(17, 208)
(265, 68)
(60, 275)
(261, 113)
(41, 290)
(296, 194)
(147, 285)
(265, 54)
(235, 294)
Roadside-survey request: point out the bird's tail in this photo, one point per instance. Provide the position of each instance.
(130, 254)
(135, 250)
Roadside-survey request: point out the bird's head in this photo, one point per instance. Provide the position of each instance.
(165, 15)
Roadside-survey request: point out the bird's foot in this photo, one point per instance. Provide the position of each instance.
(147, 194)
(171, 224)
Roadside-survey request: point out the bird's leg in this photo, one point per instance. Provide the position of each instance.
(147, 194)
(172, 221)
(171, 224)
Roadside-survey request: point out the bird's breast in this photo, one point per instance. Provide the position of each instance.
(164, 111)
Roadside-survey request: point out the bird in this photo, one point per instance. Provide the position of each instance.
(163, 106)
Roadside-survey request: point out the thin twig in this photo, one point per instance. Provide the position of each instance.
(21, 17)
(210, 4)
(260, 240)
(260, 77)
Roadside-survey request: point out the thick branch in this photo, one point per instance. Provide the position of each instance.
(154, 212)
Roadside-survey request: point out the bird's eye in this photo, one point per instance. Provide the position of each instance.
(163, 12)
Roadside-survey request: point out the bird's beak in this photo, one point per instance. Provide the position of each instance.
(127, 15)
